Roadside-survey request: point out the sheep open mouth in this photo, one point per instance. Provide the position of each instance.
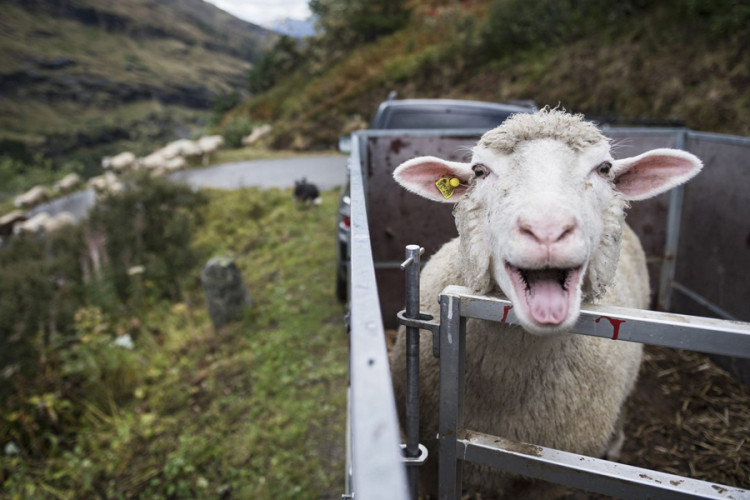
(547, 293)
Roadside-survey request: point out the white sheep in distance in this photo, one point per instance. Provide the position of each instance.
(106, 185)
(32, 197)
(67, 183)
(210, 144)
(120, 163)
(540, 212)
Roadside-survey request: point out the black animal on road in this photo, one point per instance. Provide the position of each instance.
(306, 193)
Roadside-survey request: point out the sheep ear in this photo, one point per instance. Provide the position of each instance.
(421, 176)
(654, 172)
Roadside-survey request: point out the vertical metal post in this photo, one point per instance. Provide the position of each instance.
(412, 267)
(452, 354)
(674, 216)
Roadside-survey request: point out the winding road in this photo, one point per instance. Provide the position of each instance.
(326, 172)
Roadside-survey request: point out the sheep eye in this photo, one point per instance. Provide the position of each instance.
(480, 170)
(604, 169)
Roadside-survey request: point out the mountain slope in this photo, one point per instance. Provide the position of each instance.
(90, 73)
(629, 62)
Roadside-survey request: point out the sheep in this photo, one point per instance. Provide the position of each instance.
(33, 225)
(154, 161)
(540, 214)
(256, 134)
(119, 163)
(59, 221)
(67, 183)
(105, 185)
(182, 147)
(175, 164)
(32, 197)
(210, 144)
(44, 222)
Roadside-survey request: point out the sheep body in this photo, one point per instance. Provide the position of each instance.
(540, 215)
(32, 197)
(120, 163)
(499, 399)
(68, 183)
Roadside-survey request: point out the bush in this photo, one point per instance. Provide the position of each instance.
(149, 225)
(236, 129)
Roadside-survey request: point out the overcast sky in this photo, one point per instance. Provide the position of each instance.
(264, 12)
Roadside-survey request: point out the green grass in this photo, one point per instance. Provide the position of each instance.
(255, 410)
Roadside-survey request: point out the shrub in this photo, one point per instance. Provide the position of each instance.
(148, 225)
(236, 129)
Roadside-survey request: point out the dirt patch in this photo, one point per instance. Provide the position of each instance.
(689, 417)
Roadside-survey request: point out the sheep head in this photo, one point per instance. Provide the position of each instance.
(540, 210)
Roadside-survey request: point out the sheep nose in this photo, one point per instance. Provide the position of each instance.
(547, 231)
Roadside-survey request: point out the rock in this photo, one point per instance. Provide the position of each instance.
(226, 294)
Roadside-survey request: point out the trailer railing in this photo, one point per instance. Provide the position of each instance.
(375, 469)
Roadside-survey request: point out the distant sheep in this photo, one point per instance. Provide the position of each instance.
(175, 164)
(540, 212)
(256, 134)
(34, 225)
(59, 221)
(68, 183)
(45, 223)
(106, 184)
(210, 144)
(182, 147)
(33, 197)
(155, 160)
(120, 163)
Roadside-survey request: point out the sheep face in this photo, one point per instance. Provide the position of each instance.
(541, 218)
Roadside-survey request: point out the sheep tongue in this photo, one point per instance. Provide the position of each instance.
(548, 301)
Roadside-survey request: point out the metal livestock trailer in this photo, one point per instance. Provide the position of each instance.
(707, 220)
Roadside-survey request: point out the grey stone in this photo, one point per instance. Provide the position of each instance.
(226, 294)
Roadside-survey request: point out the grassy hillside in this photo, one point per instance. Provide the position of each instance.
(107, 75)
(670, 62)
(254, 410)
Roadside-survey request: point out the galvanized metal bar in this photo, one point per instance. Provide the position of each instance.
(452, 355)
(412, 267)
(734, 140)
(672, 238)
(693, 333)
(703, 301)
(377, 469)
(591, 474)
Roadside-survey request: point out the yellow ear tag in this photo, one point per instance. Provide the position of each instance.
(447, 185)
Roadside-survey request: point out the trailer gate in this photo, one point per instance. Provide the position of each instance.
(458, 444)
(375, 467)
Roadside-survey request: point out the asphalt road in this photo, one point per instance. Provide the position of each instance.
(325, 172)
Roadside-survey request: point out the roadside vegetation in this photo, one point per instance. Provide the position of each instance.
(114, 382)
(672, 63)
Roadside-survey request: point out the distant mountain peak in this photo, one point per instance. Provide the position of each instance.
(295, 28)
